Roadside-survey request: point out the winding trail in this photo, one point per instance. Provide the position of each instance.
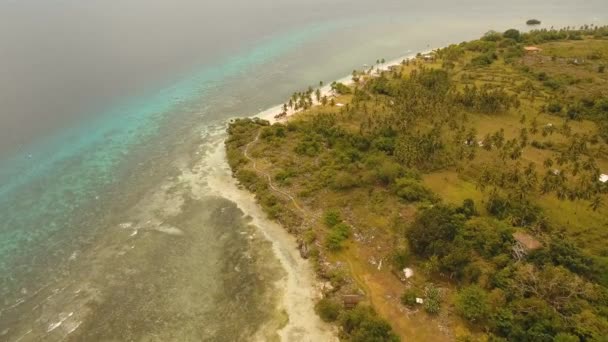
(362, 284)
(267, 176)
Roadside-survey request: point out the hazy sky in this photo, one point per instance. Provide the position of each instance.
(61, 60)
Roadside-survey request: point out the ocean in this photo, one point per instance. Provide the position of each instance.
(118, 217)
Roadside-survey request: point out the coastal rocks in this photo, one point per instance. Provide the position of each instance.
(304, 249)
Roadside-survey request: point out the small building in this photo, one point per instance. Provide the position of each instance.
(603, 178)
(524, 244)
(532, 49)
(350, 301)
(429, 57)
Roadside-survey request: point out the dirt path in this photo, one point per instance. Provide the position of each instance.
(270, 183)
(307, 215)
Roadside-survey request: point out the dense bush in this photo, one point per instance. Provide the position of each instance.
(512, 34)
(472, 303)
(362, 324)
(340, 88)
(433, 231)
(328, 310)
(412, 190)
(484, 60)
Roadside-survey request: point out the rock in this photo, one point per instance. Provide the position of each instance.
(304, 251)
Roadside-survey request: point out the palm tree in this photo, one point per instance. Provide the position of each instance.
(324, 100)
(596, 203)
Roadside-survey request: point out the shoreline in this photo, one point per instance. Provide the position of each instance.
(270, 113)
(299, 286)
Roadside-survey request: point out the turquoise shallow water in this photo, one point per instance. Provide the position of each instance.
(96, 223)
(74, 166)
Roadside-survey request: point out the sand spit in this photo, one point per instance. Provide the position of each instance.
(299, 285)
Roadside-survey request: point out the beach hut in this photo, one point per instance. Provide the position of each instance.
(350, 301)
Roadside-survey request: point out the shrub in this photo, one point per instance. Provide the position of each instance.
(388, 171)
(332, 218)
(563, 337)
(513, 34)
(554, 107)
(344, 180)
(362, 324)
(472, 303)
(468, 208)
(412, 191)
(328, 310)
(484, 59)
(400, 258)
(492, 36)
(336, 236)
(409, 298)
(342, 229)
(340, 88)
(333, 241)
(432, 301)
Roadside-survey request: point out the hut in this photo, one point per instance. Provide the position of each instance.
(350, 301)
(524, 244)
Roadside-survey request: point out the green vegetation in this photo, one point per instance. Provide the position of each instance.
(478, 168)
(533, 22)
(328, 310)
(362, 324)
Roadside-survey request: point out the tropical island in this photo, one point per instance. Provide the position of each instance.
(459, 195)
